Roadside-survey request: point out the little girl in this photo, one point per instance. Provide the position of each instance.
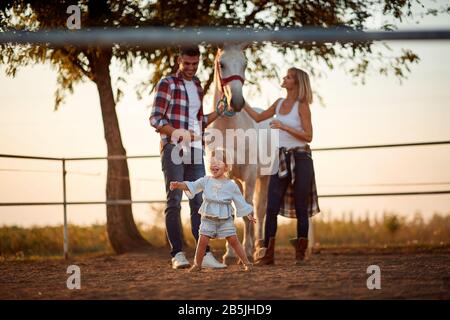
(216, 210)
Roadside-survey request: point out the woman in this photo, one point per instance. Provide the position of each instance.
(295, 177)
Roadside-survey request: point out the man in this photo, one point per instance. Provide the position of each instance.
(177, 114)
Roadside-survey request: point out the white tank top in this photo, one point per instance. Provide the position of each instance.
(292, 119)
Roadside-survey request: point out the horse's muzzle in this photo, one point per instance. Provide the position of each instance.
(237, 103)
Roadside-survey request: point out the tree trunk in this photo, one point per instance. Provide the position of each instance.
(122, 231)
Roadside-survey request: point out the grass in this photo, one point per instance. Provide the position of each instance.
(390, 231)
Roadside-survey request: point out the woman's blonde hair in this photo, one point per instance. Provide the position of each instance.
(304, 86)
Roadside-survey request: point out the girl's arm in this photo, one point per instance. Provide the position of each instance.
(305, 117)
(178, 185)
(258, 117)
(191, 188)
(242, 207)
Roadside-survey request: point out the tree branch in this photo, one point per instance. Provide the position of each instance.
(77, 63)
(257, 9)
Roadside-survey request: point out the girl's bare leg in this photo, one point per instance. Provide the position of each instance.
(237, 246)
(201, 249)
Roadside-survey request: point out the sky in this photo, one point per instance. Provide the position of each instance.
(382, 111)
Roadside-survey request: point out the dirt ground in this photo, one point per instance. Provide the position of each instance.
(332, 274)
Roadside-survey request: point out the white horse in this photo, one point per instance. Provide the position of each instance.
(229, 76)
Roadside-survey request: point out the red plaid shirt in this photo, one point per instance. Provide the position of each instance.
(171, 105)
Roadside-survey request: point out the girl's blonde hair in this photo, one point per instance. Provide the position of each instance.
(223, 155)
(303, 84)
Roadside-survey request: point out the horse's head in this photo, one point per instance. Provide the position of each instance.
(230, 67)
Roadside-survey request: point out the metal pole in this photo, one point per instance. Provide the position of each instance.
(167, 36)
(66, 235)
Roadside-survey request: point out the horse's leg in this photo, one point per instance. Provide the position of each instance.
(230, 256)
(262, 184)
(249, 228)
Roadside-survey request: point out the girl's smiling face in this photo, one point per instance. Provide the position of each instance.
(217, 167)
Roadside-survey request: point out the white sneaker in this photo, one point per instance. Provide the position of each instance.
(180, 261)
(210, 262)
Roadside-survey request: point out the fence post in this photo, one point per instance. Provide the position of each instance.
(66, 235)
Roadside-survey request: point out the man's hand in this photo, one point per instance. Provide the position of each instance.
(195, 137)
(220, 108)
(185, 135)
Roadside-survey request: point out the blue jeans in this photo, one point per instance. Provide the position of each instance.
(181, 172)
(304, 172)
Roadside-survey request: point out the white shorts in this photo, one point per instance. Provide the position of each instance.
(217, 228)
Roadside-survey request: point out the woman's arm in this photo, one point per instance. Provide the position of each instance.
(258, 117)
(305, 118)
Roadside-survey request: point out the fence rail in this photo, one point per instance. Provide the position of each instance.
(127, 202)
(165, 36)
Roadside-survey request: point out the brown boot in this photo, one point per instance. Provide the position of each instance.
(300, 245)
(266, 255)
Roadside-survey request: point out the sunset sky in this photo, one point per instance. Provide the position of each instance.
(381, 111)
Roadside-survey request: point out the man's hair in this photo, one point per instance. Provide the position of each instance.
(189, 51)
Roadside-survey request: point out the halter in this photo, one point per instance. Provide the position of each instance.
(223, 100)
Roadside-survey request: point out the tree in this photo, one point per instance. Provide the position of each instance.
(76, 64)
(73, 66)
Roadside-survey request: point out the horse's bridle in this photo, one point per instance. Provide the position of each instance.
(223, 83)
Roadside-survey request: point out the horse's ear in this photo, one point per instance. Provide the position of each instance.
(220, 46)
